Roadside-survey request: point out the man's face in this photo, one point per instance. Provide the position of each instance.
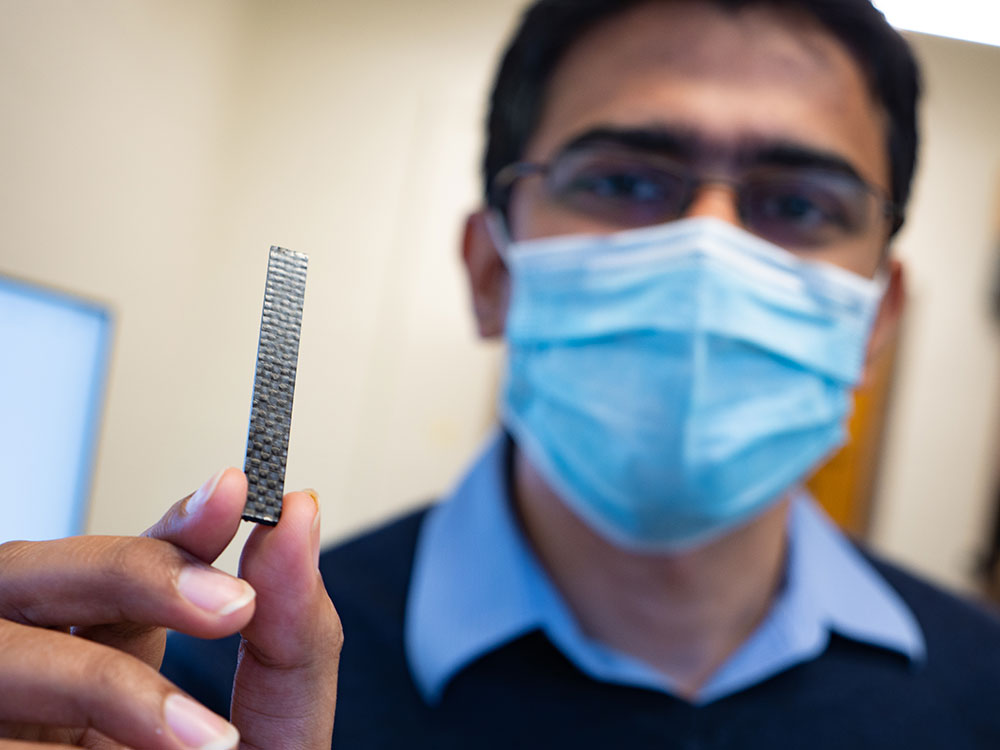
(723, 90)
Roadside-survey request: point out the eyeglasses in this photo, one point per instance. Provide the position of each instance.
(791, 206)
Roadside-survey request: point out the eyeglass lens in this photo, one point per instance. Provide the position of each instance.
(790, 206)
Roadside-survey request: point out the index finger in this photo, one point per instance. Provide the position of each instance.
(105, 580)
(205, 522)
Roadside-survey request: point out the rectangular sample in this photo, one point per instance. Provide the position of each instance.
(274, 385)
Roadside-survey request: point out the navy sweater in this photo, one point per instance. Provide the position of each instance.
(527, 695)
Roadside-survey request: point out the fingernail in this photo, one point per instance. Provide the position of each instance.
(196, 726)
(213, 591)
(314, 529)
(315, 497)
(194, 503)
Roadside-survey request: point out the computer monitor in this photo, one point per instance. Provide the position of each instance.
(54, 350)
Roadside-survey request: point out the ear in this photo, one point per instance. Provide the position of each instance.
(489, 281)
(890, 313)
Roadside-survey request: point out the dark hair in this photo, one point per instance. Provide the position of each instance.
(550, 27)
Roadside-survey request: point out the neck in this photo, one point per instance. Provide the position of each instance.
(683, 614)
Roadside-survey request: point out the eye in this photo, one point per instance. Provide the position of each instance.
(624, 190)
(805, 209)
(619, 185)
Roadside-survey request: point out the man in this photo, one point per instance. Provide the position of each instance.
(685, 245)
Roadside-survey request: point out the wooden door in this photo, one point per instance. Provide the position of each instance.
(845, 485)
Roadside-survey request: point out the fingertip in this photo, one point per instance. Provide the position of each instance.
(213, 591)
(195, 502)
(288, 546)
(197, 727)
(227, 484)
(233, 484)
(206, 521)
(299, 511)
(304, 506)
(314, 535)
(234, 479)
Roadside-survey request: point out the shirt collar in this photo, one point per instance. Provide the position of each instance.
(829, 588)
(473, 585)
(476, 585)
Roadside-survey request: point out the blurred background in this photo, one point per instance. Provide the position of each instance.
(152, 150)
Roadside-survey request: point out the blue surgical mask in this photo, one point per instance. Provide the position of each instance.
(672, 382)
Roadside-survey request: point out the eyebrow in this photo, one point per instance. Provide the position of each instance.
(687, 145)
(789, 154)
(675, 142)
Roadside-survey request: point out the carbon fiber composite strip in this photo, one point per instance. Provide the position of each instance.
(274, 385)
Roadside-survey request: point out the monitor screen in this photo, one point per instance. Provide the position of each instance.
(53, 367)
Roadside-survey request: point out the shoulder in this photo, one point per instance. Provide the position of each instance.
(938, 611)
(384, 553)
(368, 579)
(962, 637)
(368, 576)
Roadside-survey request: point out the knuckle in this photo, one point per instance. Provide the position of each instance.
(135, 572)
(336, 627)
(337, 642)
(170, 522)
(17, 558)
(327, 638)
(125, 558)
(133, 559)
(12, 553)
(111, 672)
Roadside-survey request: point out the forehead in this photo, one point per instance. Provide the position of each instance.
(758, 74)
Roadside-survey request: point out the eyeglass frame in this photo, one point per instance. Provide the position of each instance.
(692, 181)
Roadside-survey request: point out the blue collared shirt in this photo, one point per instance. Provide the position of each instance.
(477, 585)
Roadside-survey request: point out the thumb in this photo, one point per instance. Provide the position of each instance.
(285, 688)
(205, 522)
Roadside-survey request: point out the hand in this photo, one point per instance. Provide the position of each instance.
(82, 632)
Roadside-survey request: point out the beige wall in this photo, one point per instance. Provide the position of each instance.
(153, 149)
(935, 504)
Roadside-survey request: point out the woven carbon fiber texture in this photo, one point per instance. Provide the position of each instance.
(274, 385)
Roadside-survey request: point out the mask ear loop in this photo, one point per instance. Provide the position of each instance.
(496, 228)
(881, 279)
(883, 273)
